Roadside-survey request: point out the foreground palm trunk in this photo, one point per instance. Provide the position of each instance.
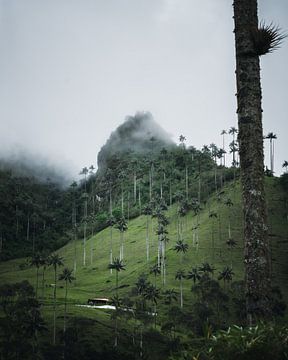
(256, 246)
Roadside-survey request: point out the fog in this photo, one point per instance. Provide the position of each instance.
(71, 71)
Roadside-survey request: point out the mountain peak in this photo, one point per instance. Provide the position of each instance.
(139, 133)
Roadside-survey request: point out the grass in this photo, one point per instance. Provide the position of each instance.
(95, 280)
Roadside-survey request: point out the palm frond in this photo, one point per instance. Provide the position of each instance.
(267, 38)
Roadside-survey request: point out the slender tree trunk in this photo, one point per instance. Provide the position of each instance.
(271, 156)
(54, 308)
(116, 282)
(139, 199)
(170, 192)
(147, 238)
(256, 244)
(65, 306)
(74, 237)
(43, 283)
(28, 228)
(135, 188)
(186, 183)
(181, 294)
(37, 281)
(111, 247)
(84, 232)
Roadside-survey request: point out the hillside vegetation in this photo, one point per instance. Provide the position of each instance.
(158, 231)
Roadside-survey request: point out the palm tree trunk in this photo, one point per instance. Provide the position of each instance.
(139, 198)
(84, 232)
(28, 228)
(256, 245)
(155, 314)
(135, 188)
(54, 308)
(37, 279)
(186, 182)
(181, 294)
(170, 192)
(116, 282)
(147, 238)
(43, 283)
(65, 306)
(111, 247)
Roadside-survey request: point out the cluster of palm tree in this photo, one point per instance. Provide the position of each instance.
(162, 234)
(54, 261)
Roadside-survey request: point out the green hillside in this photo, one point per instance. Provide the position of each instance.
(95, 280)
(170, 218)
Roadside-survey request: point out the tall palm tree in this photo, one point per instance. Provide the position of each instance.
(45, 260)
(152, 294)
(73, 187)
(148, 212)
(117, 302)
(271, 136)
(285, 164)
(214, 151)
(223, 133)
(206, 268)
(194, 274)
(251, 41)
(180, 275)
(122, 227)
(111, 222)
(181, 247)
(170, 295)
(117, 265)
(155, 270)
(55, 261)
(231, 243)
(226, 275)
(228, 202)
(68, 278)
(36, 261)
(182, 139)
(84, 172)
(213, 215)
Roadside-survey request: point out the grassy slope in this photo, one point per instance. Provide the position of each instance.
(95, 279)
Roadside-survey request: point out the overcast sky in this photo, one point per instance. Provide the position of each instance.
(71, 70)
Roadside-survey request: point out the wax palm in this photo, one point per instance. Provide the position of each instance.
(170, 295)
(55, 261)
(180, 275)
(252, 41)
(152, 294)
(181, 247)
(223, 133)
(117, 302)
(68, 278)
(206, 268)
(148, 212)
(155, 270)
(194, 274)
(117, 265)
(45, 260)
(111, 222)
(271, 136)
(122, 227)
(285, 164)
(36, 261)
(226, 275)
(182, 139)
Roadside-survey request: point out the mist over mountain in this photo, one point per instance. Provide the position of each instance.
(139, 133)
(23, 163)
